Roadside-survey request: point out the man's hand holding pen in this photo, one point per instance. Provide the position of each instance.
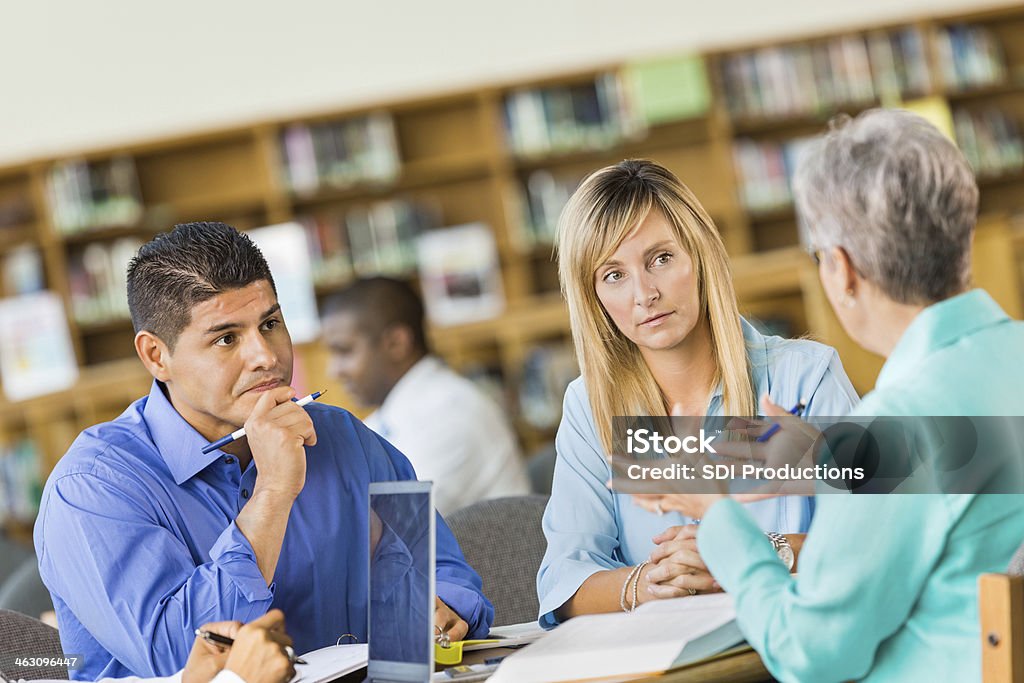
(278, 429)
(260, 653)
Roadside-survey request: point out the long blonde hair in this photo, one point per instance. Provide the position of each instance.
(605, 208)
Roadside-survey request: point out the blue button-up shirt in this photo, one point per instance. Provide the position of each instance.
(138, 546)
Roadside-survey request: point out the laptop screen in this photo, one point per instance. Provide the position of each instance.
(401, 612)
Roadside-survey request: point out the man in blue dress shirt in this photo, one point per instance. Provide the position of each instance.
(141, 538)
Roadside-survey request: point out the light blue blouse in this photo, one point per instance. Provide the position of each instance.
(887, 589)
(590, 528)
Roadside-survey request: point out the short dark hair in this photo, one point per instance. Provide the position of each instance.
(192, 263)
(379, 303)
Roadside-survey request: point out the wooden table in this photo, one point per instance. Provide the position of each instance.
(741, 665)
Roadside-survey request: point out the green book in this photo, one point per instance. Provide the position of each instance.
(669, 89)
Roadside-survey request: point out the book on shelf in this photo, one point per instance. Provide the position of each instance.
(935, 110)
(326, 239)
(36, 356)
(340, 154)
(669, 89)
(287, 252)
(813, 78)
(547, 372)
(84, 195)
(764, 172)
(382, 236)
(460, 275)
(991, 140)
(98, 280)
(20, 481)
(22, 270)
(543, 197)
(592, 114)
(969, 57)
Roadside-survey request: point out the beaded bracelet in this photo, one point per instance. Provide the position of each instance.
(625, 588)
(636, 583)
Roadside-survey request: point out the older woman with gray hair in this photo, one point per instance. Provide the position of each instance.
(887, 589)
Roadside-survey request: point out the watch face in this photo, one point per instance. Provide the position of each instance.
(787, 556)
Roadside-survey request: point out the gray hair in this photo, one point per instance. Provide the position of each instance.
(898, 196)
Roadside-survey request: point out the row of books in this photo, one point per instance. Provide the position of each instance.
(542, 198)
(20, 481)
(97, 277)
(458, 266)
(376, 239)
(823, 76)
(85, 195)
(969, 57)
(764, 172)
(990, 140)
(340, 154)
(593, 114)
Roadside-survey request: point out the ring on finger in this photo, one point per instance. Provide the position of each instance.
(692, 591)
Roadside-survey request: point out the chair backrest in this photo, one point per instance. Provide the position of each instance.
(1017, 563)
(24, 591)
(503, 541)
(24, 636)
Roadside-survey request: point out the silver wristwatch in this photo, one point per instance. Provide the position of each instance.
(782, 548)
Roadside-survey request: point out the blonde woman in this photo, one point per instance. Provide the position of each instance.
(656, 329)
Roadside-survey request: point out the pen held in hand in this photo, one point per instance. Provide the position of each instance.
(239, 433)
(218, 639)
(795, 410)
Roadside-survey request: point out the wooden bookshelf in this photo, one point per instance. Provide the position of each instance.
(454, 154)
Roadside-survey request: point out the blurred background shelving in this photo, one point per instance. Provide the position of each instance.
(364, 183)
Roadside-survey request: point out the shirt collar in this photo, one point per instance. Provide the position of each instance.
(178, 442)
(937, 326)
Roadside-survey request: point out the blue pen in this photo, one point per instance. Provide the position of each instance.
(795, 410)
(239, 433)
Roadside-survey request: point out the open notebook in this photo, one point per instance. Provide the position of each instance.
(659, 636)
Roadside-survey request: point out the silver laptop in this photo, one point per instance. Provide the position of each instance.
(401, 598)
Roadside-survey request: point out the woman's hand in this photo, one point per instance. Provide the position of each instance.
(676, 568)
(259, 654)
(207, 659)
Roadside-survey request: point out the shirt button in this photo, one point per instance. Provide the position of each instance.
(245, 493)
(229, 460)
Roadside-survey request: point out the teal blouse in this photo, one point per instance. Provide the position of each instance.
(887, 586)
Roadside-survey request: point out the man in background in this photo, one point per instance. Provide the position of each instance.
(452, 433)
